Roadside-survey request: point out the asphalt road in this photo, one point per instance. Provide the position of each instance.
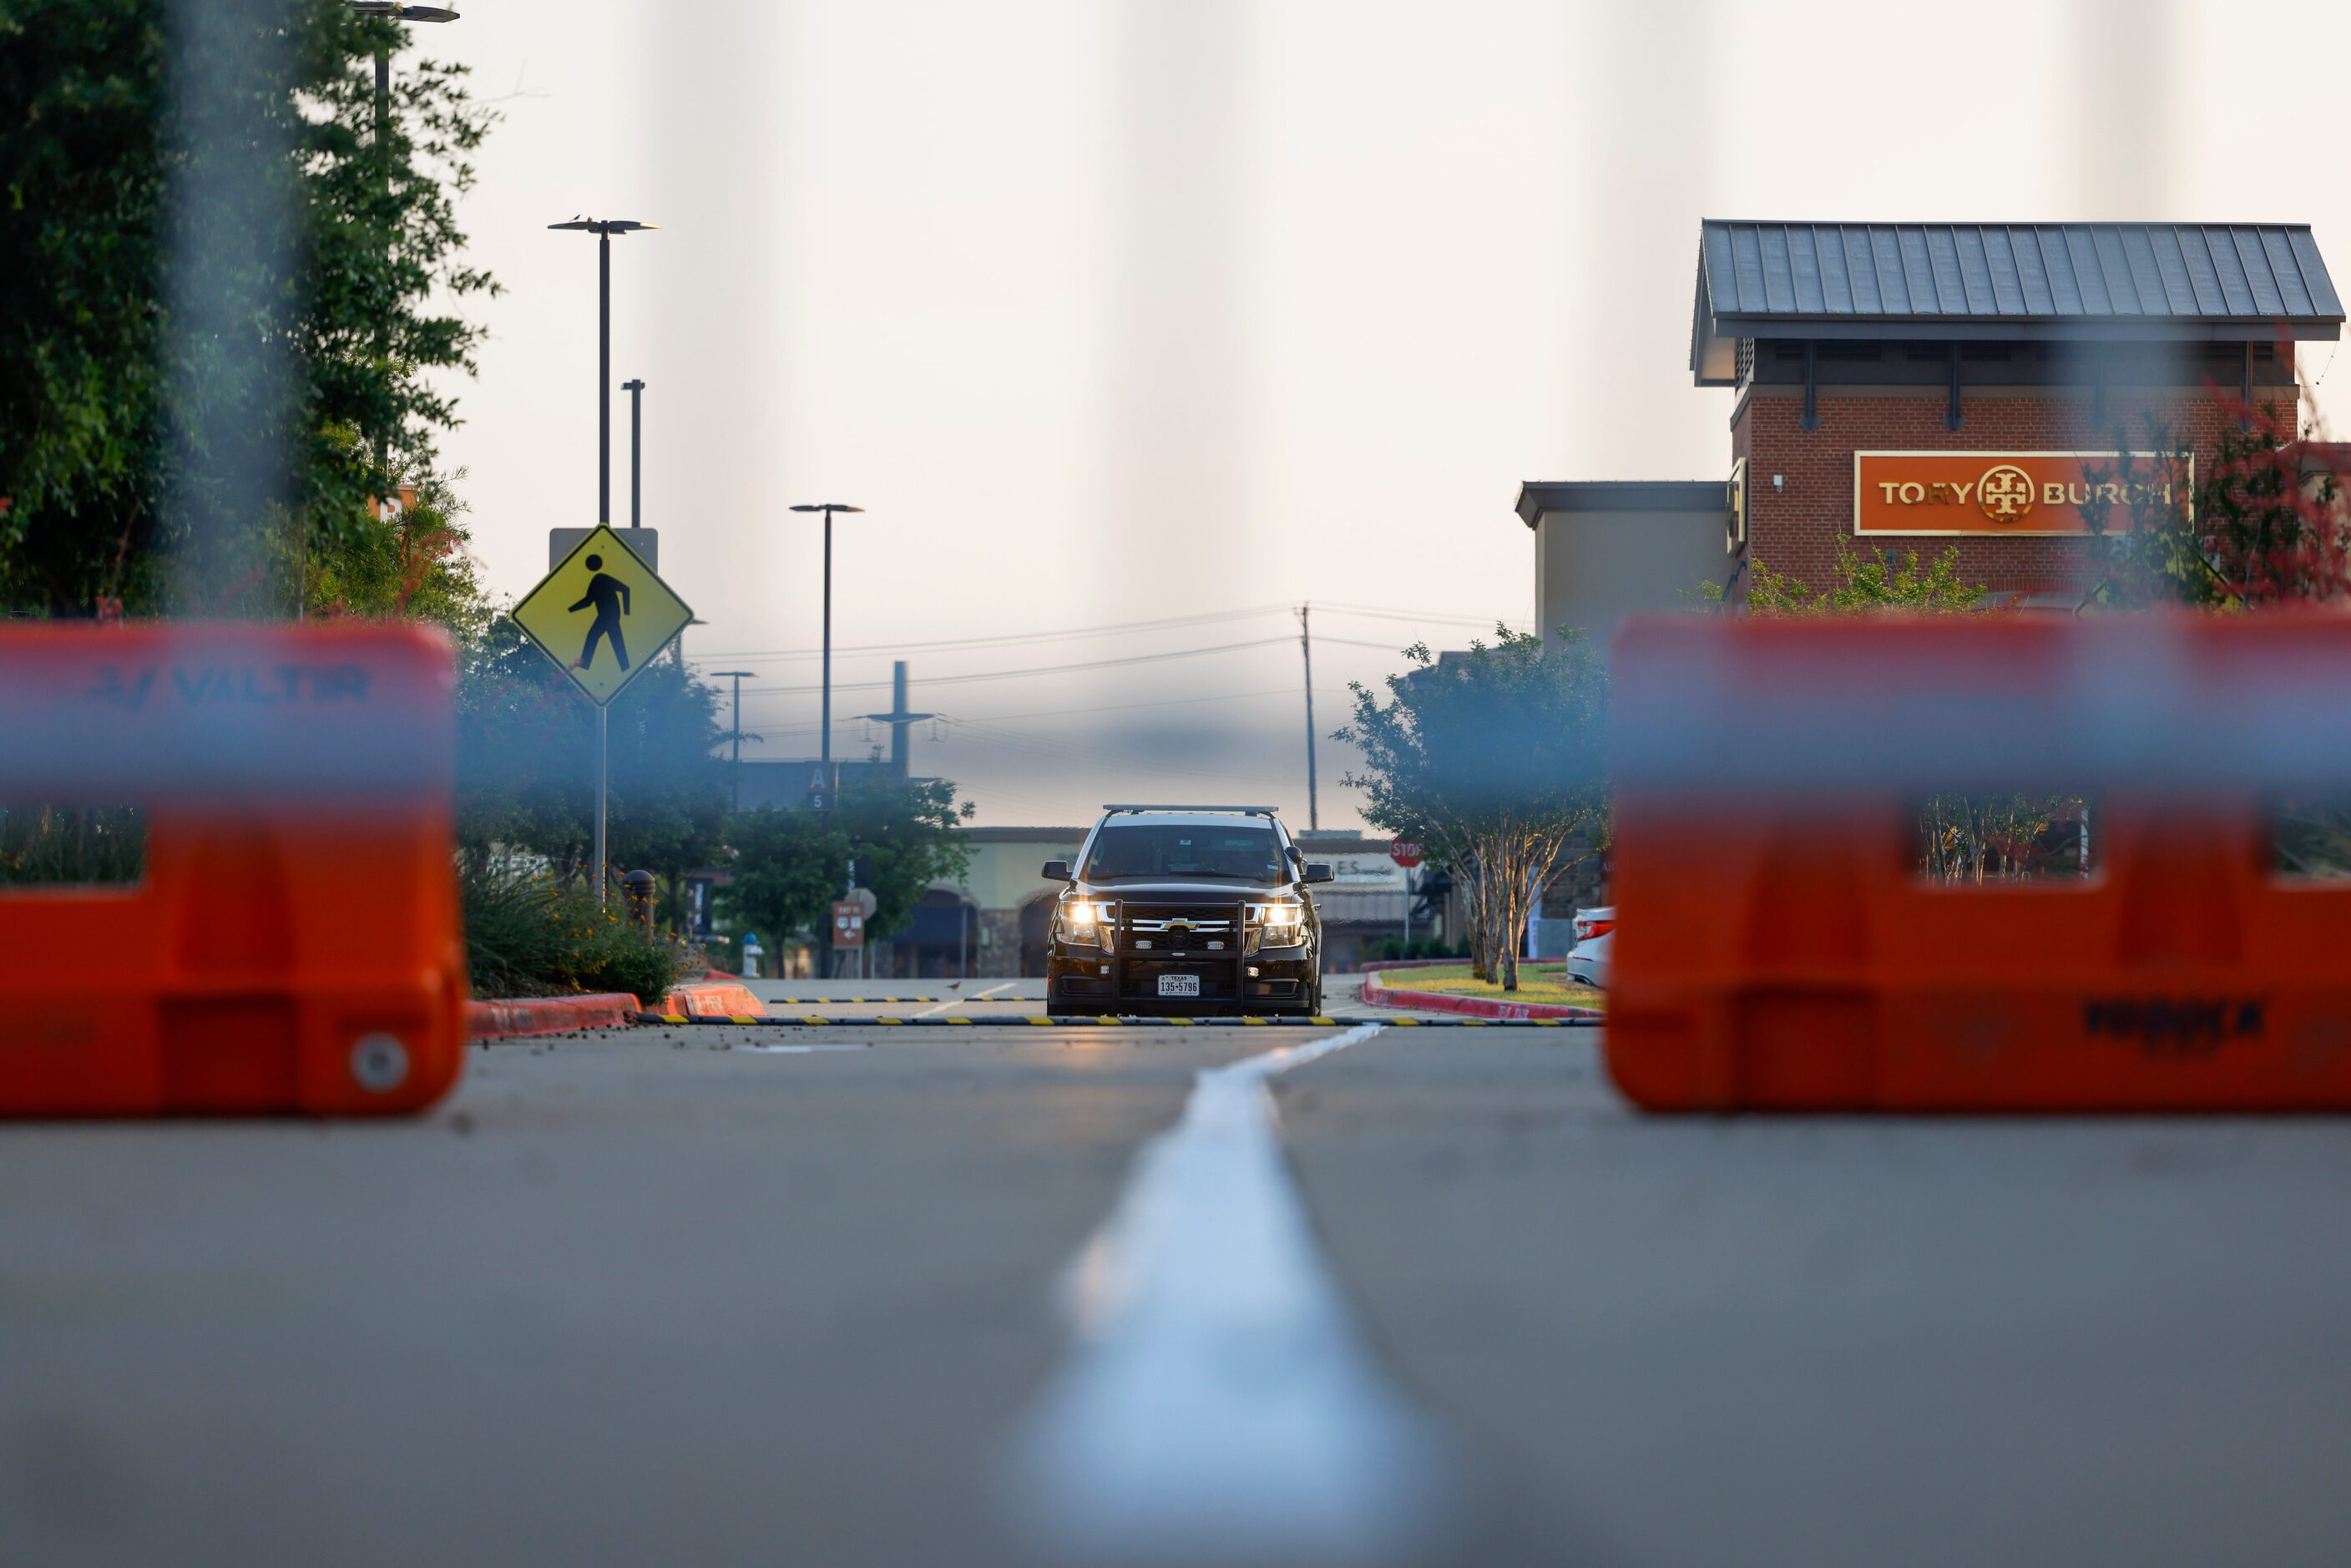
(668, 1296)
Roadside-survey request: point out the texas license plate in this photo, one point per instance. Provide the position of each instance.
(1179, 985)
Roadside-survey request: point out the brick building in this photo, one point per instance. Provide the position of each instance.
(2041, 351)
(1910, 386)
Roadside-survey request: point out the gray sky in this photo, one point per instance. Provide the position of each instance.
(1124, 311)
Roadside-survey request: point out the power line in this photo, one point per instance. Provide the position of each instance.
(1038, 669)
(1044, 746)
(1065, 669)
(772, 734)
(1358, 642)
(1116, 628)
(1430, 618)
(1122, 707)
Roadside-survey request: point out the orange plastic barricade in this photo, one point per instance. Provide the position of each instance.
(293, 945)
(1781, 949)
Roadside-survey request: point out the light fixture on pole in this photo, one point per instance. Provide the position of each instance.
(604, 229)
(824, 742)
(739, 677)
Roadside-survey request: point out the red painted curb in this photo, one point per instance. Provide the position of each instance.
(731, 998)
(1379, 996)
(507, 1018)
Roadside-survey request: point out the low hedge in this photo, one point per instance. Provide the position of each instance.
(528, 936)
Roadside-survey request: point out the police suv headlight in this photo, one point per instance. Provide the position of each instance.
(1276, 925)
(1084, 921)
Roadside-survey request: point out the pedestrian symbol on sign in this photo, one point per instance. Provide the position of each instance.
(601, 614)
(610, 596)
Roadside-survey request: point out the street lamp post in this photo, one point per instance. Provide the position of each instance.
(604, 229)
(824, 741)
(739, 677)
(636, 390)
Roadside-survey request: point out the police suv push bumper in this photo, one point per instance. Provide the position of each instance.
(1124, 955)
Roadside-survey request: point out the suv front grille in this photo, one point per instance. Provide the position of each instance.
(1148, 921)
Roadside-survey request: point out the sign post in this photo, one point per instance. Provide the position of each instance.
(602, 616)
(847, 924)
(1406, 853)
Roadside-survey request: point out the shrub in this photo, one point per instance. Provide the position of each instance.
(528, 936)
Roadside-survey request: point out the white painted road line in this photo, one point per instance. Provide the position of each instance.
(795, 1049)
(964, 1001)
(1218, 1404)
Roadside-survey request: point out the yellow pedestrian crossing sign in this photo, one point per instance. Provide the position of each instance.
(602, 616)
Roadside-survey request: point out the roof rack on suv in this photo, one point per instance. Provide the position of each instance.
(1115, 807)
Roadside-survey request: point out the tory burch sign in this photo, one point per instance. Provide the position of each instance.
(2038, 494)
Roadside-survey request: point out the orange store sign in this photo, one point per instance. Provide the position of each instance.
(2033, 495)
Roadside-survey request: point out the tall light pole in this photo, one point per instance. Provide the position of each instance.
(636, 390)
(604, 229)
(1306, 646)
(394, 11)
(738, 676)
(824, 743)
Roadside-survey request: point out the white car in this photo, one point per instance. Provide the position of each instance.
(1588, 961)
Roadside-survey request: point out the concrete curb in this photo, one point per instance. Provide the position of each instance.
(1379, 996)
(714, 998)
(512, 1017)
(508, 1018)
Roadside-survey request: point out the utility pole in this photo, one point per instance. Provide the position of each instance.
(899, 720)
(824, 680)
(1306, 646)
(738, 676)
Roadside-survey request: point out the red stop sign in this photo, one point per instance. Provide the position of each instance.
(1405, 853)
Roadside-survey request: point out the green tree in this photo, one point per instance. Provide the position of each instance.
(1860, 581)
(1493, 761)
(790, 865)
(135, 418)
(2264, 522)
(526, 765)
(412, 563)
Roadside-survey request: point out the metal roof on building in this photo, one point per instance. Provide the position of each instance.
(1537, 496)
(2224, 282)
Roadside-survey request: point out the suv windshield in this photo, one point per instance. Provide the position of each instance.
(1243, 852)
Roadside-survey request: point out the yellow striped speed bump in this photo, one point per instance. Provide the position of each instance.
(1023, 1022)
(857, 1001)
